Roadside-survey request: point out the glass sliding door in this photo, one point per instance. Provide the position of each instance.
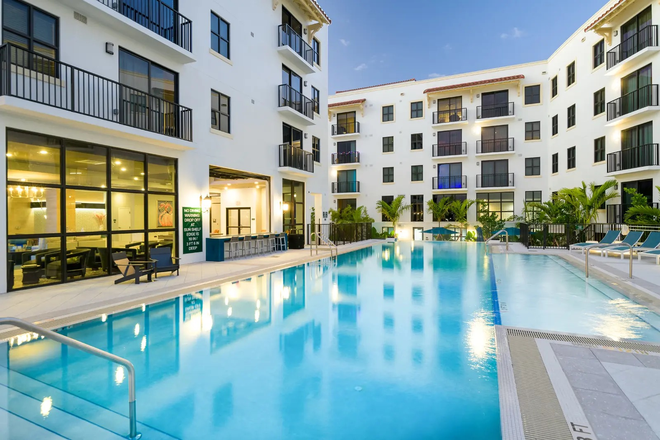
(494, 173)
(494, 139)
(495, 104)
(637, 149)
(239, 221)
(293, 200)
(633, 36)
(346, 181)
(346, 123)
(450, 143)
(450, 110)
(450, 175)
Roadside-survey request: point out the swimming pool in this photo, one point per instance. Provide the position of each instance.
(395, 341)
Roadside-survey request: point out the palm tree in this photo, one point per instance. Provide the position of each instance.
(585, 201)
(360, 215)
(640, 213)
(392, 211)
(460, 210)
(440, 208)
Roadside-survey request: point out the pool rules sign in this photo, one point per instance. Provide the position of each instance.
(192, 230)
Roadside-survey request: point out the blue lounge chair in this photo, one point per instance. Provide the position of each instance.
(655, 254)
(632, 239)
(652, 242)
(609, 239)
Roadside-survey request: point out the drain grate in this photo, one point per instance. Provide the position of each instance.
(583, 340)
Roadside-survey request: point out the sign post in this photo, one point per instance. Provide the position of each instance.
(192, 230)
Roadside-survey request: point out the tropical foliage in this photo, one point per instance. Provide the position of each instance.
(490, 221)
(640, 213)
(439, 209)
(350, 215)
(460, 210)
(392, 211)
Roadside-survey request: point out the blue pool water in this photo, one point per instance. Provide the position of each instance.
(394, 342)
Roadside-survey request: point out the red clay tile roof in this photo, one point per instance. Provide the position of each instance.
(322, 11)
(340, 104)
(475, 83)
(377, 85)
(604, 14)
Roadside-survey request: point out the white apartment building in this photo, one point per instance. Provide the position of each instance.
(117, 116)
(512, 134)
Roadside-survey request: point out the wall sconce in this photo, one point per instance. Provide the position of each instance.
(205, 202)
(284, 206)
(305, 135)
(110, 48)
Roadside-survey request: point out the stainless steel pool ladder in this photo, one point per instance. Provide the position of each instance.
(588, 249)
(500, 232)
(27, 326)
(325, 241)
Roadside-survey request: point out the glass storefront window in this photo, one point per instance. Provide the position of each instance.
(127, 170)
(86, 165)
(162, 211)
(28, 260)
(32, 158)
(127, 211)
(32, 210)
(86, 257)
(162, 174)
(163, 239)
(132, 244)
(86, 211)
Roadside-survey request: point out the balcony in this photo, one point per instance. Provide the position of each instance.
(632, 50)
(296, 105)
(635, 103)
(633, 160)
(348, 158)
(29, 76)
(495, 111)
(295, 49)
(449, 183)
(502, 180)
(347, 129)
(296, 161)
(346, 187)
(449, 150)
(616, 213)
(495, 146)
(454, 116)
(167, 31)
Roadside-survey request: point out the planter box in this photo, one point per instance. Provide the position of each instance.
(297, 241)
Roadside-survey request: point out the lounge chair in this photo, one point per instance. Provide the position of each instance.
(164, 261)
(132, 270)
(652, 242)
(631, 239)
(654, 253)
(608, 240)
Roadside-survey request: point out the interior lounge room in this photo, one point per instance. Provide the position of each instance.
(71, 205)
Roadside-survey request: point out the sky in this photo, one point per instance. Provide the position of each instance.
(380, 41)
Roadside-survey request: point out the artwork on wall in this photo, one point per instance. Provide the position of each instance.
(165, 214)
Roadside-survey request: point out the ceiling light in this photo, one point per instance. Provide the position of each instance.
(103, 186)
(123, 169)
(118, 162)
(43, 152)
(229, 184)
(141, 174)
(9, 155)
(136, 178)
(22, 180)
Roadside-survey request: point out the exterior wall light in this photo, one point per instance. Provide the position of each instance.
(110, 48)
(205, 202)
(285, 206)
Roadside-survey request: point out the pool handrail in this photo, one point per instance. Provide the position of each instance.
(588, 249)
(28, 326)
(501, 231)
(326, 241)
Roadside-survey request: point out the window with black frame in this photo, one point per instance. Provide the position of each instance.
(416, 110)
(316, 98)
(494, 104)
(554, 86)
(416, 208)
(555, 125)
(533, 94)
(450, 176)
(533, 166)
(220, 35)
(388, 200)
(500, 203)
(417, 141)
(532, 131)
(570, 116)
(494, 139)
(388, 174)
(570, 158)
(494, 173)
(316, 149)
(316, 47)
(599, 149)
(449, 216)
(599, 102)
(599, 53)
(220, 111)
(346, 123)
(570, 74)
(531, 212)
(417, 173)
(388, 144)
(388, 113)
(555, 163)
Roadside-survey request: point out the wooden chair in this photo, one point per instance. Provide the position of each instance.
(132, 270)
(164, 261)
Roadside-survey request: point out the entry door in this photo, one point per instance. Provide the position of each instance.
(239, 221)
(294, 96)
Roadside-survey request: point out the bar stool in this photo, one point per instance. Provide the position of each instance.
(262, 244)
(235, 247)
(250, 245)
(272, 244)
(281, 242)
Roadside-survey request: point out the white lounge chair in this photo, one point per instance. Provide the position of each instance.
(631, 239)
(655, 254)
(652, 242)
(609, 239)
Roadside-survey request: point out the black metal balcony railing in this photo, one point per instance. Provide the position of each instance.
(344, 158)
(449, 182)
(289, 37)
(30, 76)
(290, 97)
(158, 18)
(495, 110)
(502, 180)
(495, 146)
(345, 187)
(616, 213)
(646, 37)
(454, 115)
(454, 149)
(296, 157)
(637, 157)
(345, 128)
(646, 96)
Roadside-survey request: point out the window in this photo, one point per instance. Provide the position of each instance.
(316, 48)
(570, 74)
(532, 131)
(570, 116)
(533, 94)
(316, 149)
(533, 166)
(532, 197)
(599, 149)
(449, 110)
(345, 203)
(416, 110)
(316, 98)
(599, 53)
(494, 173)
(219, 35)
(599, 102)
(554, 86)
(388, 144)
(555, 125)
(449, 216)
(388, 113)
(501, 203)
(291, 136)
(346, 123)
(416, 141)
(220, 111)
(388, 174)
(417, 208)
(416, 173)
(555, 163)
(388, 200)
(570, 158)
(450, 176)
(494, 139)
(494, 104)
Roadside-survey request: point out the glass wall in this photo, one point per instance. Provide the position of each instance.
(70, 205)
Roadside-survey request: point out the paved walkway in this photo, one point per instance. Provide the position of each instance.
(48, 305)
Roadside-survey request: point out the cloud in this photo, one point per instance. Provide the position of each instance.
(448, 47)
(515, 33)
(435, 75)
(361, 67)
(345, 43)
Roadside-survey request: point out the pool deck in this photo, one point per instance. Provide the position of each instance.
(65, 304)
(563, 386)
